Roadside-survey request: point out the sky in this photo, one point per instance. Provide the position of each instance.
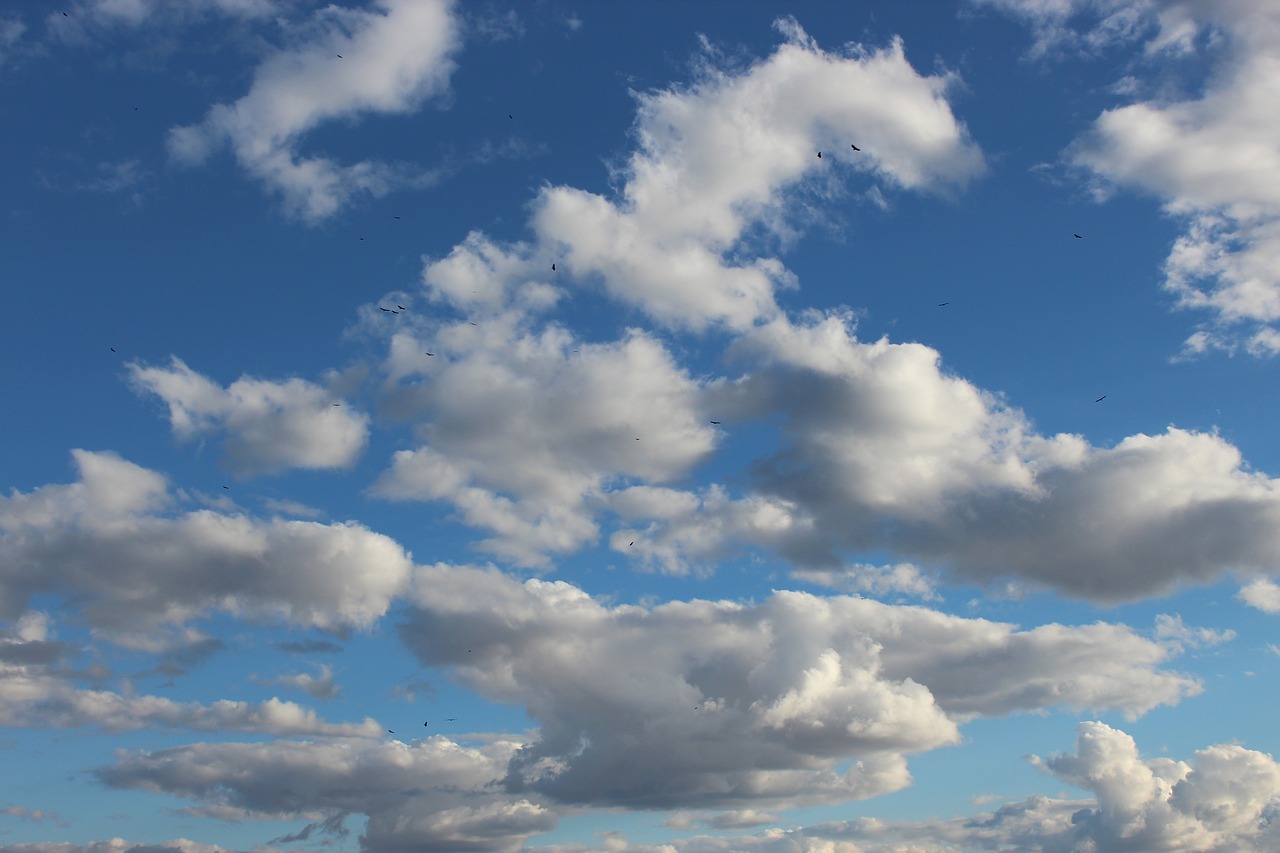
(647, 428)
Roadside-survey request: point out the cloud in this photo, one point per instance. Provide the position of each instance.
(270, 426)
(1263, 594)
(431, 794)
(1222, 802)
(394, 58)
(719, 704)
(115, 845)
(523, 430)
(717, 159)
(138, 569)
(320, 686)
(1209, 157)
(881, 448)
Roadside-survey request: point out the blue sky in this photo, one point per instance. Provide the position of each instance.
(843, 503)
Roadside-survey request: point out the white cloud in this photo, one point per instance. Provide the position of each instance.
(881, 448)
(900, 579)
(114, 845)
(1263, 594)
(1171, 629)
(1222, 802)
(270, 426)
(138, 569)
(712, 704)
(392, 59)
(1210, 157)
(431, 794)
(718, 157)
(522, 433)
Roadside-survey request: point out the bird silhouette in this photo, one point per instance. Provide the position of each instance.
(338, 55)
(228, 488)
(1078, 237)
(391, 731)
(1100, 399)
(402, 308)
(431, 354)
(629, 544)
(553, 267)
(380, 308)
(113, 349)
(819, 155)
(717, 423)
(854, 147)
(425, 722)
(943, 304)
(509, 115)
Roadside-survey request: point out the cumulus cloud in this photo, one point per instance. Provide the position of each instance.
(137, 567)
(348, 63)
(1224, 801)
(713, 704)
(1263, 594)
(718, 157)
(115, 845)
(1209, 156)
(881, 448)
(431, 794)
(270, 426)
(320, 686)
(523, 431)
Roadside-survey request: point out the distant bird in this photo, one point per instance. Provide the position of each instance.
(475, 324)
(402, 308)
(431, 354)
(361, 238)
(553, 267)
(1078, 237)
(395, 312)
(509, 115)
(338, 55)
(819, 155)
(395, 217)
(113, 349)
(425, 722)
(629, 544)
(717, 423)
(637, 438)
(337, 404)
(1100, 399)
(854, 147)
(380, 308)
(450, 719)
(227, 488)
(943, 304)
(391, 731)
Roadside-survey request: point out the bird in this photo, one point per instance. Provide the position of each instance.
(475, 324)
(391, 731)
(361, 238)
(113, 349)
(509, 115)
(337, 404)
(402, 308)
(943, 304)
(450, 719)
(854, 147)
(819, 155)
(1078, 237)
(380, 308)
(425, 722)
(629, 544)
(338, 55)
(1100, 399)
(228, 488)
(553, 267)
(395, 217)
(717, 423)
(431, 354)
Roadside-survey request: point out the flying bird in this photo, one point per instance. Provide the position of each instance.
(509, 115)
(337, 404)
(819, 155)
(1078, 237)
(943, 304)
(431, 354)
(717, 423)
(854, 147)
(629, 544)
(395, 217)
(475, 324)
(227, 488)
(113, 349)
(1100, 399)
(390, 731)
(450, 719)
(553, 267)
(380, 308)
(338, 55)
(402, 308)
(425, 722)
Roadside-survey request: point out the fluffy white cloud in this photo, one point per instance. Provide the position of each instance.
(270, 426)
(881, 448)
(523, 430)
(348, 62)
(711, 704)
(321, 686)
(718, 157)
(1224, 801)
(1210, 156)
(431, 794)
(136, 567)
(1263, 594)
(115, 845)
